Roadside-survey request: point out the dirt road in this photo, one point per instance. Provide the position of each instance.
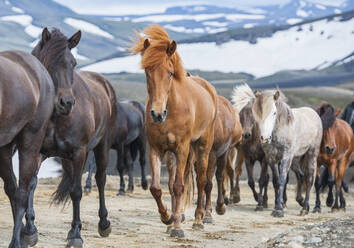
(135, 220)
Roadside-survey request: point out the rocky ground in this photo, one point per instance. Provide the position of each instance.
(135, 222)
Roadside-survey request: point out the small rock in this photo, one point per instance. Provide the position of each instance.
(314, 240)
(294, 244)
(164, 238)
(299, 239)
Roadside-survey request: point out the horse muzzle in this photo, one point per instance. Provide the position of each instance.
(266, 140)
(158, 117)
(330, 150)
(65, 106)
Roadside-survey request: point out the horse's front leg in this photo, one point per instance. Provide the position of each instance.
(155, 188)
(283, 173)
(178, 188)
(77, 164)
(220, 168)
(91, 163)
(331, 173)
(317, 208)
(30, 230)
(120, 168)
(249, 168)
(310, 168)
(208, 188)
(171, 169)
(342, 166)
(263, 181)
(236, 198)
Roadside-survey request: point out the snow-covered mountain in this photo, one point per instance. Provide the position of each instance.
(107, 36)
(308, 45)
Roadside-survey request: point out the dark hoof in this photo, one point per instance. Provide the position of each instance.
(226, 201)
(208, 220)
(87, 190)
(76, 243)
(121, 193)
(177, 233)
(31, 240)
(220, 210)
(317, 210)
(278, 213)
(130, 191)
(304, 212)
(144, 185)
(259, 208)
(169, 222)
(265, 204)
(300, 201)
(329, 202)
(197, 226)
(104, 233)
(342, 209)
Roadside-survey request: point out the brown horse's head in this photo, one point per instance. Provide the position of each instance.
(54, 51)
(162, 67)
(328, 118)
(247, 121)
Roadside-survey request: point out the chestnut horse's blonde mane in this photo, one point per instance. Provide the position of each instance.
(241, 96)
(155, 54)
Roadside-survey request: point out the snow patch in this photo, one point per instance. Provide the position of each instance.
(319, 6)
(7, 2)
(76, 54)
(87, 27)
(182, 29)
(25, 21)
(337, 11)
(17, 10)
(248, 25)
(33, 31)
(215, 24)
(293, 21)
(302, 13)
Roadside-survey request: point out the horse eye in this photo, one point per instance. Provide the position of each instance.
(170, 75)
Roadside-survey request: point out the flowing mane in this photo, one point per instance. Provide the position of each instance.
(326, 112)
(263, 105)
(241, 96)
(155, 54)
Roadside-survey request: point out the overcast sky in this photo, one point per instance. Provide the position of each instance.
(119, 7)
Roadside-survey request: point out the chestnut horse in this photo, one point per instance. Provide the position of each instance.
(227, 134)
(84, 119)
(180, 115)
(26, 104)
(336, 153)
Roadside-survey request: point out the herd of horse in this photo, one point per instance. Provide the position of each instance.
(48, 108)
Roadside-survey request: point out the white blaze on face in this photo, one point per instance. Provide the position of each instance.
(267, 124)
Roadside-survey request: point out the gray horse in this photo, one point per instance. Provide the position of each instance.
(288, 136)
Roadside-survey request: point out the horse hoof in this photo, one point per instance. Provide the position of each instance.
(220, 210)
(236, 199)
(130, 191)
(144, 185)
(177, 233)
(208, 220)
(31, 240)
(342, 209)
(304, 212)
(335, 210)
(284, 205)
(198, 226)
(259, 208)
(121, 193)
(87, 190)
(329, 202)
(75, 243)
(265, 204)
(317, 210)
(104, 232)
(278, 213)
(226, 201)
(169, 222)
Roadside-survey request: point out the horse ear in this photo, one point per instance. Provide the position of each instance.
(337, 112)
(45, 35)
(74, 40)
(146, 43)
(276, 95)
(171, 48)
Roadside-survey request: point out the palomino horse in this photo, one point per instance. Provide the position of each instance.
(129, 141)
(180, 114)
(84, 119)
(336, 149)
(27, 102)
(288, 135)
(227, 134)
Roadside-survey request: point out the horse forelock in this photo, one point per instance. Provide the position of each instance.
(327, 115)
(241, 96)
(53, 50)
(156, 54)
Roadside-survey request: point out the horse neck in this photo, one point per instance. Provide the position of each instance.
(173, 95)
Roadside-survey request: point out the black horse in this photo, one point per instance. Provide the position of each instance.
(130, 139)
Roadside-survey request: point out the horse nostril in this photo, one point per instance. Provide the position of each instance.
(152, 113)
(61, 102)
(261, 137)
(164, 112)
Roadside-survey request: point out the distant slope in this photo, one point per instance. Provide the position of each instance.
(305, 46)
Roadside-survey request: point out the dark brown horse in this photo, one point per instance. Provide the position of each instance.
(83, 120)
(26, 104)
(336, 153)
(227, 134)
(180, 115)
(130, 141)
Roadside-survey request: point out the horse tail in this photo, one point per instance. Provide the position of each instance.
(188, 192)
(61, 195)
